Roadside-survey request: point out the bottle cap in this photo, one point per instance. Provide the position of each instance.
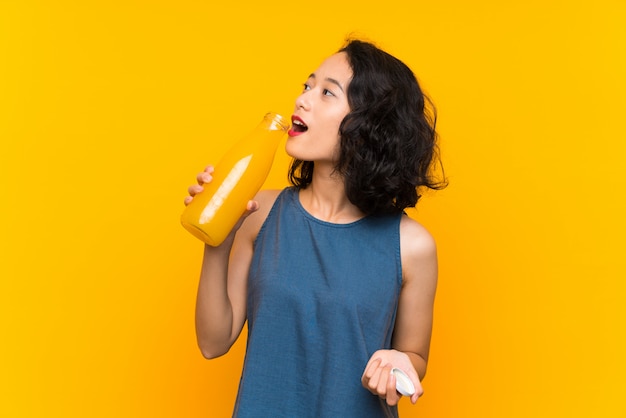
(404, 386)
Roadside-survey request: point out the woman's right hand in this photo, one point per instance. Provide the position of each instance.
(205, 177)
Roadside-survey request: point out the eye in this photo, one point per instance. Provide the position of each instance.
(306, 87)
(327, 92)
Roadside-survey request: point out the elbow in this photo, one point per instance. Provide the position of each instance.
(210, 351)
(421, 365)
(423, 373)
(211, 354)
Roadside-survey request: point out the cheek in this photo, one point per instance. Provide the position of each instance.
(338, 118)
(332, 131)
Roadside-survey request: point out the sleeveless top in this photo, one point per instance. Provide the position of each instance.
(322, 299)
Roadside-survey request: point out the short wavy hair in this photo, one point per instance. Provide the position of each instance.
(388, 143)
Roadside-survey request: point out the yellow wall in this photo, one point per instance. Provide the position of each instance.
(108, 109)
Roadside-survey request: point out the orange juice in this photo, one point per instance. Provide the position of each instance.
(237, 178)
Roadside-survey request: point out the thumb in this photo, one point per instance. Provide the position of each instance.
(252, 206)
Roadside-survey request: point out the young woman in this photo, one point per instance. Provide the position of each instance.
(336, 283)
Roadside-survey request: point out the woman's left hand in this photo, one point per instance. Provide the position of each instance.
(377, 377)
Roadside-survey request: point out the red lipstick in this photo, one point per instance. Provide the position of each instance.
(298, 127)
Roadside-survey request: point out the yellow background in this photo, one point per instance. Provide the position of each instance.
(108, 109)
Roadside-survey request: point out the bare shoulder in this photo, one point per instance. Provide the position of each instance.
(415, 238)
(418, 249)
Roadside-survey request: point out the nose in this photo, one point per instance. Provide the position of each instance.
(302, 102)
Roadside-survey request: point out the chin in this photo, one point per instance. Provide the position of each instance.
(293, 153)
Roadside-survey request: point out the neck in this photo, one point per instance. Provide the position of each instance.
(325, 198)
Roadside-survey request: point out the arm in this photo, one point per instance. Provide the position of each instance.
(221, 299)
(413, 327)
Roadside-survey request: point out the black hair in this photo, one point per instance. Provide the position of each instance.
(388, 142)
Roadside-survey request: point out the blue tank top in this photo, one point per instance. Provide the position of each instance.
(322, 299)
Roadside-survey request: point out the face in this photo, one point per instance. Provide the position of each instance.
(320, 108)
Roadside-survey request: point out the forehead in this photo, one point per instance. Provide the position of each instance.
(337, 67)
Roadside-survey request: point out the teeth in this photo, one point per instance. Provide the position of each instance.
(297, 122)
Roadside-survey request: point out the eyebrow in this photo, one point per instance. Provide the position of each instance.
(331, 80)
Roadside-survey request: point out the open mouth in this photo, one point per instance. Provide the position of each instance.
(297, 125)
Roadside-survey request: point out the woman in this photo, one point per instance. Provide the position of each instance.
(336, 282)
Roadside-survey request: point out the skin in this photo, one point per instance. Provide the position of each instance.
(221, 299)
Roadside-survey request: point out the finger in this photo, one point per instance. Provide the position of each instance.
(369, 378)
(194, 190)
(392, 394)
(204, 177)
(372, 384)
(419, 391)
(371, 368)
(188, 200)
(252, 206)
(383, 380)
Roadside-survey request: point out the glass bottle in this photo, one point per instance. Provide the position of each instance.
(237, 178)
